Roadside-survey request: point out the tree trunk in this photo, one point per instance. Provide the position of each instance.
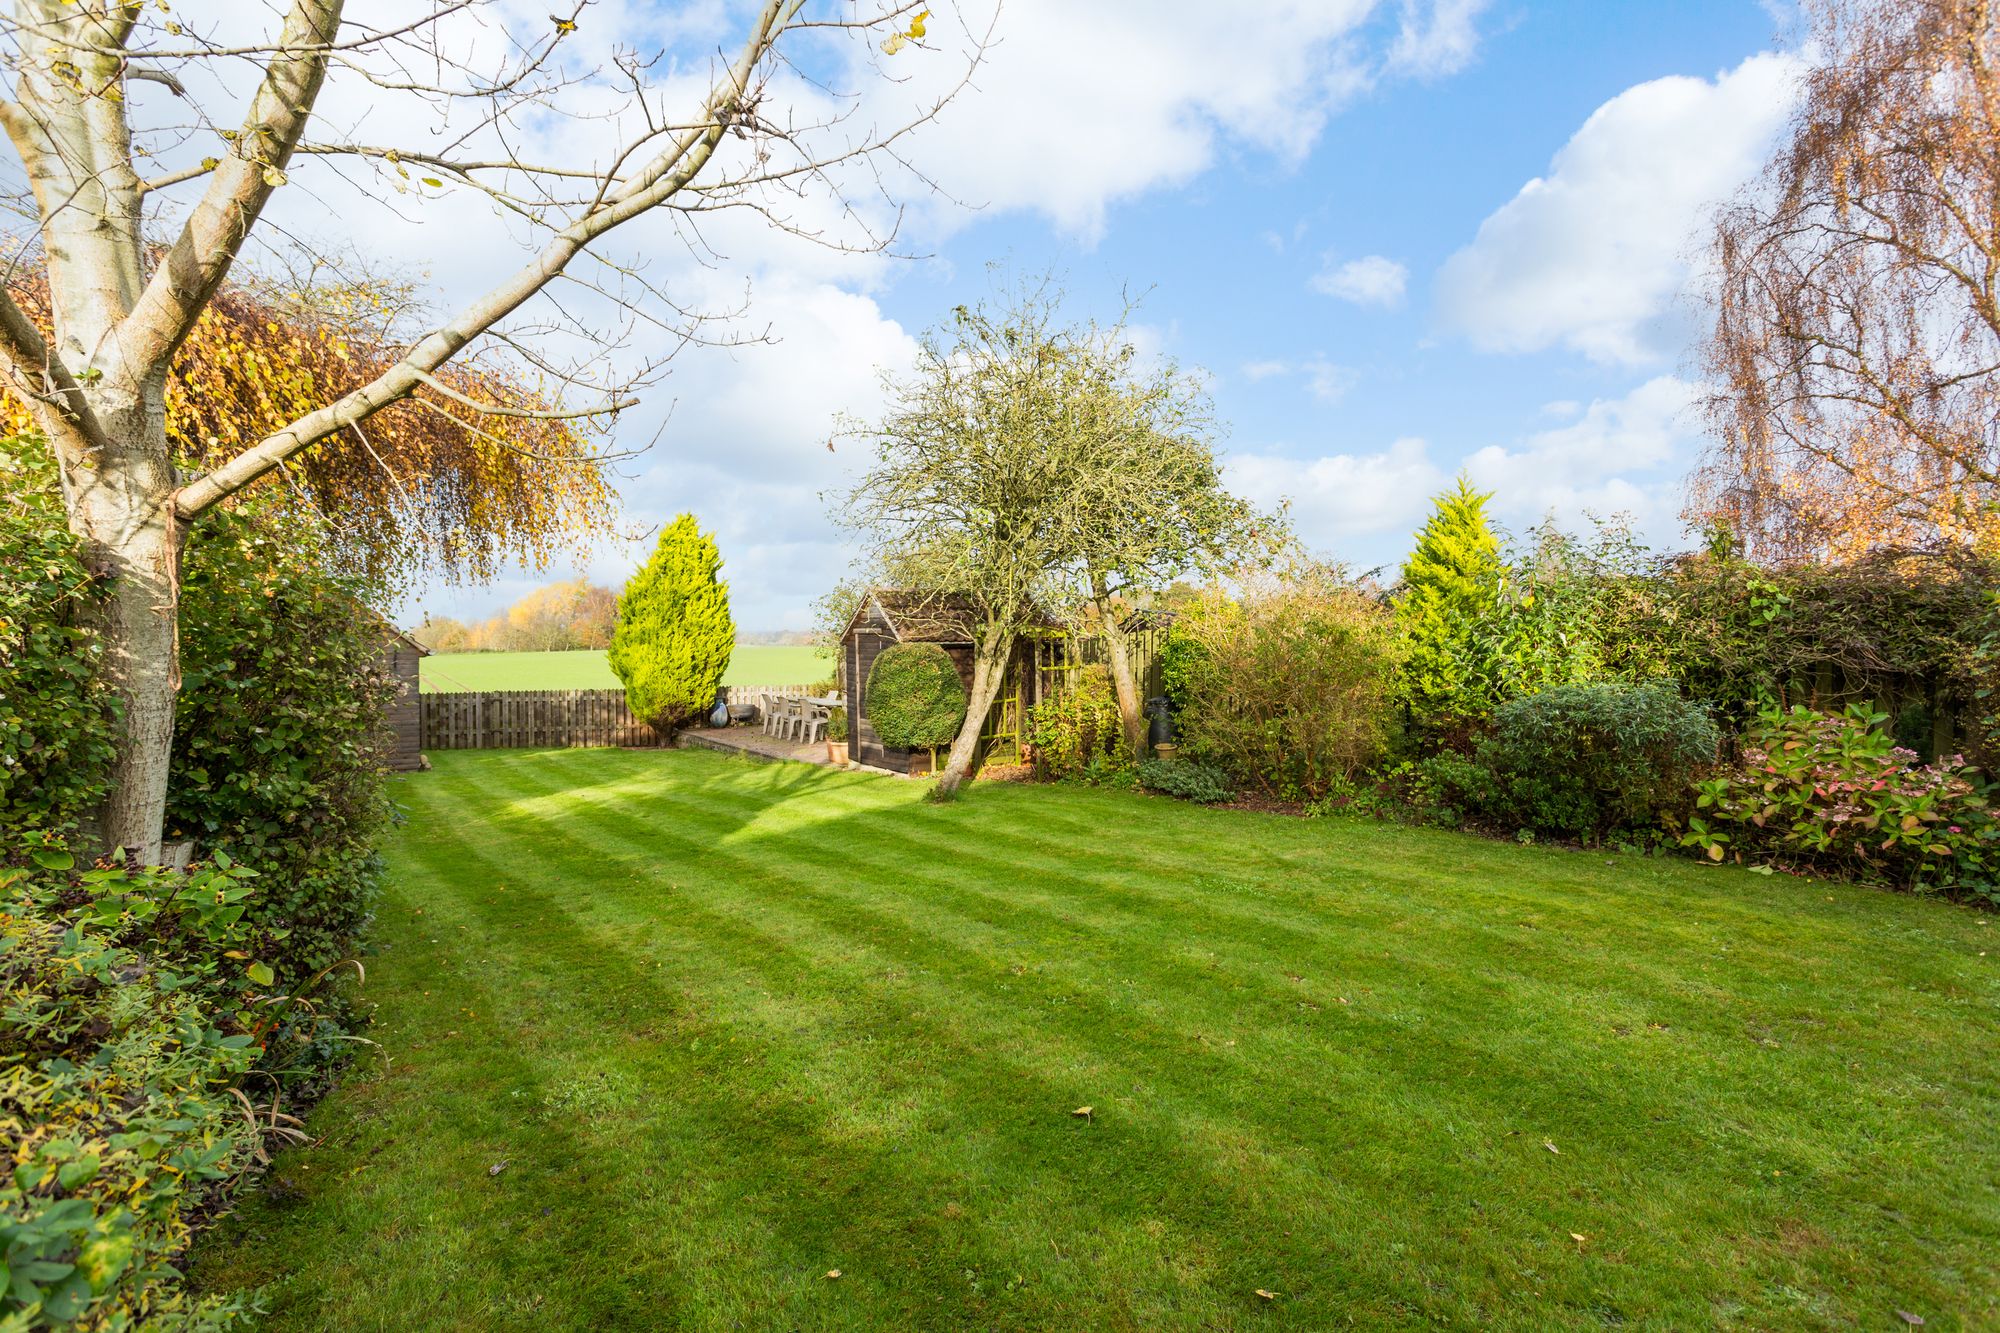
(122, 509)
(989, 670)
(1119, 650)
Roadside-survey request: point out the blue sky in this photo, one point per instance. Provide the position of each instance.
(1328, 216)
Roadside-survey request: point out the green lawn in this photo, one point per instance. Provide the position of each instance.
(749, 664)
(670, 1036)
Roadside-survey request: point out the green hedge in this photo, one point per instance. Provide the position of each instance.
(1586, 760)
(915, 698)
(55, 715)
(138, 1000)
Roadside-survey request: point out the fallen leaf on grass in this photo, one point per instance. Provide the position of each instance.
(1552, 1148)
(1913, 1320)
(1579, 1237)
(1267, 1295)
(832, 1273)
(496, 1168)
(1083, 1112)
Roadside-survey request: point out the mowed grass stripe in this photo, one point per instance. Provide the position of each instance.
(1813, 1145)
(999, 902)
(894, 1093)
(760, 946)
(803, 883)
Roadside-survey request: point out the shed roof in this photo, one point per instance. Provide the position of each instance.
(924, 617)
(391, 630)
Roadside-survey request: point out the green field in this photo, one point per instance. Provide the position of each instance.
(444, 673)
(668, 1039)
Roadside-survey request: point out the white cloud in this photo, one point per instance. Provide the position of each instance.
(1325, 380)
(1329, 382)
(1438, 39)
(1621, 455)
(1370, 280)
(1082, 105)
(1593, 255)
(745, 449)
(1343, 497)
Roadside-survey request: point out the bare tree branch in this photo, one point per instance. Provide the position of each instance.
(199, 259)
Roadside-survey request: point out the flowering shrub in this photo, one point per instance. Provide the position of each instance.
(1834, 792)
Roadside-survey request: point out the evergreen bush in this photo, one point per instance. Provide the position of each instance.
(55, 714)
(674, 634)
(1185, 779)
(1451, 589)
(915, 697)
(1586, 760)
(277, 757)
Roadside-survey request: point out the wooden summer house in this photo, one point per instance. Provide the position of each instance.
(886, 616)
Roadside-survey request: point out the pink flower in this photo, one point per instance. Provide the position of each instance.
(1956, 829)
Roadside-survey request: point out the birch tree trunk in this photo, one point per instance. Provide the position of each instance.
(122, 510)
(989, 672)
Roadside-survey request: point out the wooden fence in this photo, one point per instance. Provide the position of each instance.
(535, 719)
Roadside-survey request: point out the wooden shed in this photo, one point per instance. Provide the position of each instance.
(886, 616)
(403, 722)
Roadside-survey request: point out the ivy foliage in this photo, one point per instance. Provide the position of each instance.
(674, 634)
(915, 697)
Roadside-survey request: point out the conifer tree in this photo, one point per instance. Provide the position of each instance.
(674, 633)
(1451, 590)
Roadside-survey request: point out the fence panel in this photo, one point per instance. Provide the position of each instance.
(543, 719)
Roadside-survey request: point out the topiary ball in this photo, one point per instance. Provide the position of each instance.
(915, 698)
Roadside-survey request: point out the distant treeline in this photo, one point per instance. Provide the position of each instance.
(557, 618)
(574, 614)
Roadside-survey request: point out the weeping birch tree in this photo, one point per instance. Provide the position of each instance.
(151, 147)
(1854, 355)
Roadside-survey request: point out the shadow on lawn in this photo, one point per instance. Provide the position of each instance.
(792, 1021)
